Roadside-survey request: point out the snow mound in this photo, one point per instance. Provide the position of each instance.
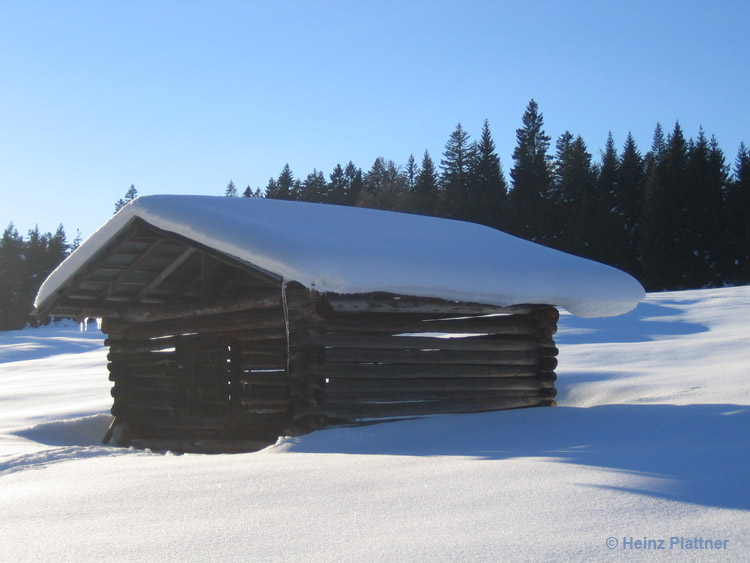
(356, 250)
(81, 431)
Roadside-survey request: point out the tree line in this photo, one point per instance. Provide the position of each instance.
(675, 217)
(24, 264)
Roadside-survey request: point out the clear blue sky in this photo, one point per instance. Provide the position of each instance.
(181, 97)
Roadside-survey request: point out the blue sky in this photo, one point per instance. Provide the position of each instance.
(181, 97)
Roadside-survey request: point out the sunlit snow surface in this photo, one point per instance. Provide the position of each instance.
(356, 250)
(651, 440)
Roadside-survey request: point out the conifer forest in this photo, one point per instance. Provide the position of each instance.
(675, 215)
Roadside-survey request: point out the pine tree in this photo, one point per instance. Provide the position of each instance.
(411, 171)
(383, 186)
(14, 304)
(529, 200)
(130, 195)
(76, 240)
(488, 189)
(703, 201)
(354, 181)
(664, 248)
(231, 190)
(610, 243)
(283, 187)
(575, 193)
(252, 194)
(314, 188)
(737, 219)
(455, 174)
(628, 202)
(425, 194)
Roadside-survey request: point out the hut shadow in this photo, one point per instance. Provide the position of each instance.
(646, 323)
(695, 453)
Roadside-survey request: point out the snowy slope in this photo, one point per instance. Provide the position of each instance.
(356, 250)
(650, 441)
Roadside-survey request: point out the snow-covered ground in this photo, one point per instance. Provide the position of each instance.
(650, 441)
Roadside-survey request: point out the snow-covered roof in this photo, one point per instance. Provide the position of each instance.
(355, 250)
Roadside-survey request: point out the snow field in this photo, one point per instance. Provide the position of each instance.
(650, 441)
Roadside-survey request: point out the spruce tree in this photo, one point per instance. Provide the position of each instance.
(529, 200)
(130, 195)
(383, 187)
(14, 303)
(314, 188)
(410, 173)
(610, 242)
(231, 190)
(455, 174)
(488, 188)
(628, 202)
(664, 245)
(283, 187)
(354, 181)
(337, 186)
(575, 194)
(703, 193)
(425, 195)
(738, 219)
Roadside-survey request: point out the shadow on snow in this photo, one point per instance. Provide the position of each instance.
(646, 323)
(695, 453)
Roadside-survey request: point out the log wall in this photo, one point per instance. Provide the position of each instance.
(212, 382)
(234, 376)
(366, 358)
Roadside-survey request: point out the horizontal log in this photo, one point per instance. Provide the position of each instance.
(117, 373)
(399, 324)
(141, 358)
(236, 425)
(258, 299)
(416, 385)
(250, 339)
(387, 371)
(228, 324)
(139, 346)
(331, 397)
(435, 357)
(264, 378)
(136, 394)
(388, 342)
(390, 303)
(128, 409)
(395, 410)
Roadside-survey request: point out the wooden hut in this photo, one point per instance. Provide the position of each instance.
(214, 349)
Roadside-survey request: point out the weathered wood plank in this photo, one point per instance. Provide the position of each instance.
(330, 304)
(389, 342)
(394, 325)
(331, 398)
(230, 324)
(391, 410)
(259, 299)
(415, 386)
(435, 357)
(386, 371)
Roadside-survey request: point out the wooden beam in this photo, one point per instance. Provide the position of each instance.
(331, 304)
(153, 247)
(165, 273)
